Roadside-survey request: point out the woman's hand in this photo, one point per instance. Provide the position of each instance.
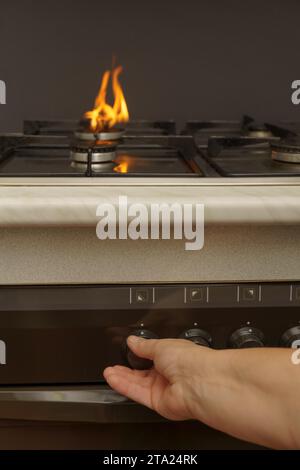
(252, 394)
(170, 387)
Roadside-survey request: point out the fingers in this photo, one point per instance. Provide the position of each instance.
(129, 383)
(144, 348)
(132, 375)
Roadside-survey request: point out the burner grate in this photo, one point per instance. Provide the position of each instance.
(68, 127)
(247, 148)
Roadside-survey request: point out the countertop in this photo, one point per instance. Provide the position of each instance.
(73, 202)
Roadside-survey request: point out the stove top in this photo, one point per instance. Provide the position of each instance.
(204, 149)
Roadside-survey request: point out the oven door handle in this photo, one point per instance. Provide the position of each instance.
(95, 404)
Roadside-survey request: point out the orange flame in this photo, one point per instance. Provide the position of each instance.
(104, 116)
(121, 168)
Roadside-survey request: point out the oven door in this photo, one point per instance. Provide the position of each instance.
(95, 417)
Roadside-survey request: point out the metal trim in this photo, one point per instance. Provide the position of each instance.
(98, 404)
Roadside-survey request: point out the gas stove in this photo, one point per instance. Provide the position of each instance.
(68, 301)
(205, 149)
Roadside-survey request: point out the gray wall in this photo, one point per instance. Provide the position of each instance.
(183, 59)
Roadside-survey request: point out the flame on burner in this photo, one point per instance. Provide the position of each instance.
(104, 116)
(121, 168)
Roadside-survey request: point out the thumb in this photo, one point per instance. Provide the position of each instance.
(142, 347)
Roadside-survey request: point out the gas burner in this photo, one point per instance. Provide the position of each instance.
(287, 151)
(258, 131)
(97, 152)
(252, 128)
(95, 148)
(108, 135)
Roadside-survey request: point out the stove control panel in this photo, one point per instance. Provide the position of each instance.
(69, 334)
(215, 295)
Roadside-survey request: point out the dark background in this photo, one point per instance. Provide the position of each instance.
(192, 59)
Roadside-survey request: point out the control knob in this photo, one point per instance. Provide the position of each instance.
(247, 337)
(133, 360)
(291, 338)
(197, 336)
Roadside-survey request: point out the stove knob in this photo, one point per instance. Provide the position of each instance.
(291, 338)
(197, 336)
(247, 337)
(133, 360)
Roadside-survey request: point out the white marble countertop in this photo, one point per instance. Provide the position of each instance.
(70, 202)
